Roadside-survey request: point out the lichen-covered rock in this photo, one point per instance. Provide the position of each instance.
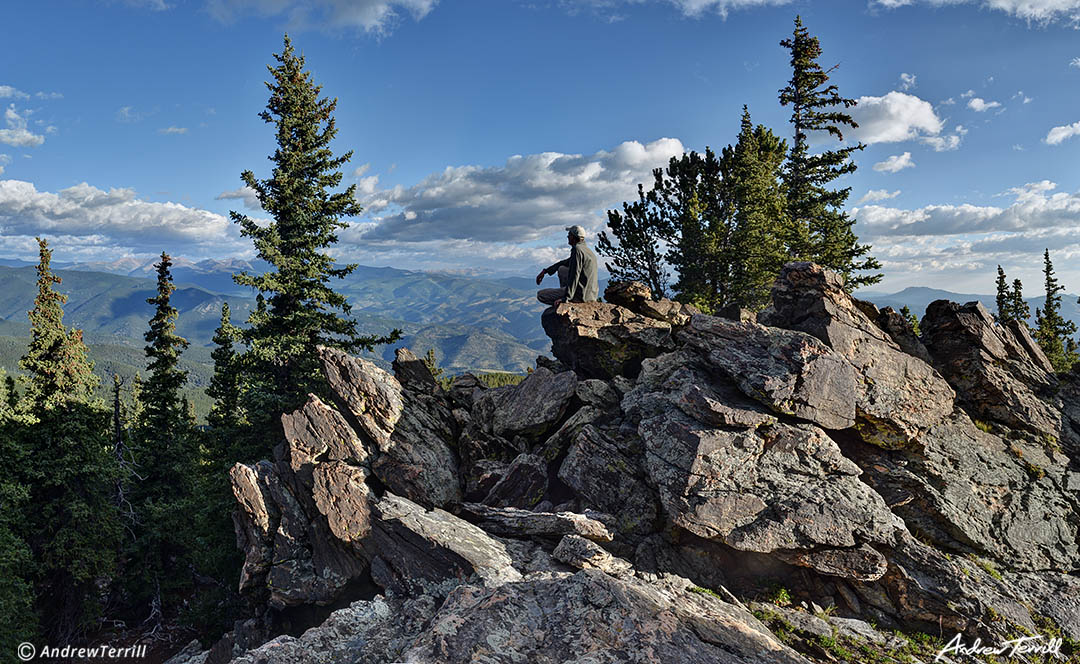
(583, 553)
(790, 372)
(599, 340)
(413, 373)
(418, 549)
(596, 615)
(515, 522)
(898, 397)
(372, 396)
(529, 409)
(999, 373)
(609, 480)
(523, 484)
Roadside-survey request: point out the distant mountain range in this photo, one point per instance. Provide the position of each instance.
(473, 323)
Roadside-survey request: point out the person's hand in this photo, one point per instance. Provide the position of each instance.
(539, 277)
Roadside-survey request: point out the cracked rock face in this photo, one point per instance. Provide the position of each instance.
(605, 508)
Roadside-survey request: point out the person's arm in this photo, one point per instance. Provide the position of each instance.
(572, 288)
(555, 268)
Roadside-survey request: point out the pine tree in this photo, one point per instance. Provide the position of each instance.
(1003, 315)
(820, 230)
(303, 311)
(1018, 306)
(1052, 331)
(906, 312)
(11, 393)
(56, 361)
(162, 419)
(224, 386)
(72, 530)
(165, 455)
(751, 170)
(636, 253)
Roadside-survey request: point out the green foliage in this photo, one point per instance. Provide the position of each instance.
(56, 361)
(18, 622)
(1010, 302)
(906, 312)
(500, 378)
(224, 386)
(432, 363)
(820, 230)
(163, 414)
(299, 309)
(779, 595)
(1053, 332)
(637, 254)
(720, 218)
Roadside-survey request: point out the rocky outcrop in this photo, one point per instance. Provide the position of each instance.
(669, 472)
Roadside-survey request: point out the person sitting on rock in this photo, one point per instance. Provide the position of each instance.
(577, 275)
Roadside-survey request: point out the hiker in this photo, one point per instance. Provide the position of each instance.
(577, 275)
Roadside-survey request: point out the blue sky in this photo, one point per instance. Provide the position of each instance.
(481, 128)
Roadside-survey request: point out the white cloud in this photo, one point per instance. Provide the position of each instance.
(907, 81)
(895, 163)
(526, 199)
(1023, 97)
(969, 93)
(1075, 62)
(370, 16)
(979, 105)
(894, 117)
(6, 91)
(1064, 132)
(948, 102)
(173, 130)
(875, 195)
(689, 8)
(128, 114)
(1033, 11)
(48, 95)
(245, 193)
(4, 161)
(16, 133)
(115, 217)
(1034, 208)
(367, 186)
(360, 170)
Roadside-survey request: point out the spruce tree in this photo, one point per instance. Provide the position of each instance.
(1052, 331)
(752, 192)
(906, 312)
(224, 386)
(1003, 315)
(303, 310)
(72, 529)
(1018, 306)
(820, 230)
(163, 441)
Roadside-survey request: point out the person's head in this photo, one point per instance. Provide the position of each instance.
(575, 234)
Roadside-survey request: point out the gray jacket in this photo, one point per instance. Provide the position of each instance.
(583, 285)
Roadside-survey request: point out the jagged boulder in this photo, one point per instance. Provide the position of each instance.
(1000, 373)
(600, 340)
(898, 397)
(528, 410)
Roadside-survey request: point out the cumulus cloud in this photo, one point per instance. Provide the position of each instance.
(172, 130)
(4, 161)
(1022, 97)
(1075, 62)
(6, 91)
(526, 199)
(116, 217)
(875, 195)
(245, 194)
(978, 105)
(1033, 11)
(907, 81)
(1062, 133)
(895, 117)
(895, 163)
(968, 94)
(370, 16)
(16, 133)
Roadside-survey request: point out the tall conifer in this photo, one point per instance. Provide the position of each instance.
(303, 310)
(1053, 332)
(820, 230)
